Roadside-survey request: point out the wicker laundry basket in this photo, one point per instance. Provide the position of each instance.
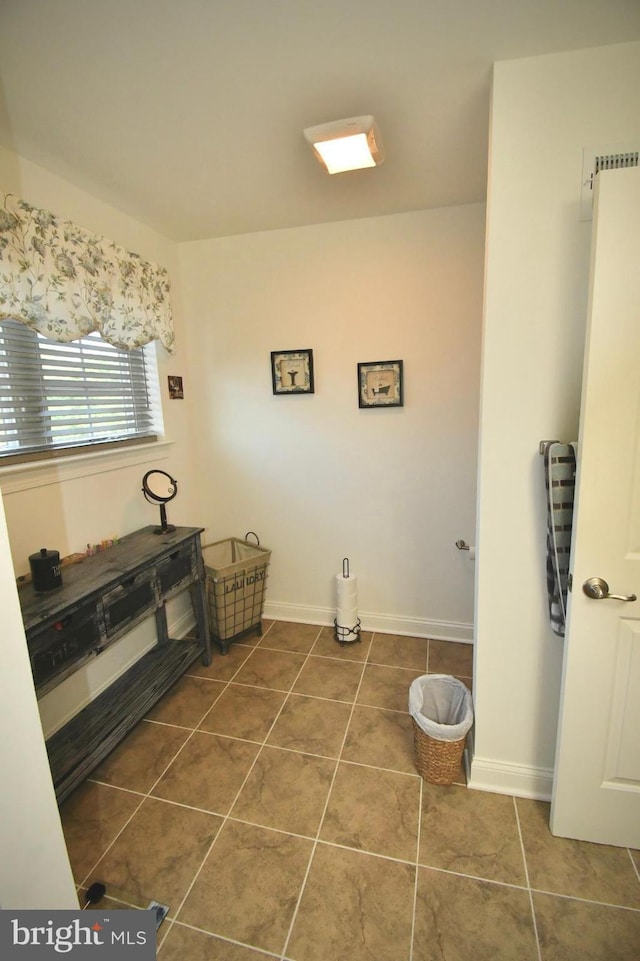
(236, 581)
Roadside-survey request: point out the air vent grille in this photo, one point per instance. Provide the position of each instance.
(614, 160)
(593, 161)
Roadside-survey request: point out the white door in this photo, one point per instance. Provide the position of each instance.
(596, 791)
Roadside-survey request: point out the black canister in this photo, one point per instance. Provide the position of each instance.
(45, 570)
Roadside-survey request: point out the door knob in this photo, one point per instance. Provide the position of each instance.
(598, 590)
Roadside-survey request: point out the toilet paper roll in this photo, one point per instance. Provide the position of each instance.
(346, 585)
(350, 605)
(346, 598)
(346, 591)
(347, 617)
(347, 601)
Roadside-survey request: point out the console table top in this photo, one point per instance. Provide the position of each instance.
(98, 571)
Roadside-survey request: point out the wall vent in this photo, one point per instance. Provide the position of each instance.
(593, 161)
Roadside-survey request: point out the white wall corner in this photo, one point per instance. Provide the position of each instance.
(500, 777)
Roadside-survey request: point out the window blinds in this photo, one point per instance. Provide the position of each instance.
(57, 395)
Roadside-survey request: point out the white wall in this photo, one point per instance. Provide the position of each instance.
(315, 476)
(544, 111)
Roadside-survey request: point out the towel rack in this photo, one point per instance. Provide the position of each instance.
(545, 443)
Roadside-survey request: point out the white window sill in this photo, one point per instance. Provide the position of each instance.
(20, 477)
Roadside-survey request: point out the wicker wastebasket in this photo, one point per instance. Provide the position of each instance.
(236, 580)
(441, 709)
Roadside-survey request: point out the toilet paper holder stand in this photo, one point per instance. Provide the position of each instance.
(346, 635)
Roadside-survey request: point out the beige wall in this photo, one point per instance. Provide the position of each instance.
(315, 476)
(544, 111)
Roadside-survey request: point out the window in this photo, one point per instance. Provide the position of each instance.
(77, 395)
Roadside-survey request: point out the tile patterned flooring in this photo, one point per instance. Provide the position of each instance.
(271, 800)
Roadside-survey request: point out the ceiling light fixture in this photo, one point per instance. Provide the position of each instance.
(346, 144)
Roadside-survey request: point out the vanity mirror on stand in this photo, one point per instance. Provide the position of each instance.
(159, 487)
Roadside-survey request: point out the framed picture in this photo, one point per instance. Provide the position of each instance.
(176, 391)
(292, 371)
(380, 384)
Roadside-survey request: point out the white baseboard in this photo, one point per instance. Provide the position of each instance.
(383, 623)
(499, 777)
(183, 625)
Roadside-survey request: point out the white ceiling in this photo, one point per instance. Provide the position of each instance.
(188, 114)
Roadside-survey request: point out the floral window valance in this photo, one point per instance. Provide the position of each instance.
(65, 282)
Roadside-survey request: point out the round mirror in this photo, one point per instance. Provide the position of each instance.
(159, 487)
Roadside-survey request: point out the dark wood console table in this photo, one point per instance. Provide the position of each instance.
(100, 600)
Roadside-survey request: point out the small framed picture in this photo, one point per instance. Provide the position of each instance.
(175, 388)
(380, 384)
(292, 371)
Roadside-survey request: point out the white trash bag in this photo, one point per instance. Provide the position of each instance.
(441, 706)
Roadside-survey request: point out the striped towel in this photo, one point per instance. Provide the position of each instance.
(560, 478)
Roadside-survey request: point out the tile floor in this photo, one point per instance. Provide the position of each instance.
(271, 801)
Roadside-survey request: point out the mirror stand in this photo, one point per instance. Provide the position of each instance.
(164, 527)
